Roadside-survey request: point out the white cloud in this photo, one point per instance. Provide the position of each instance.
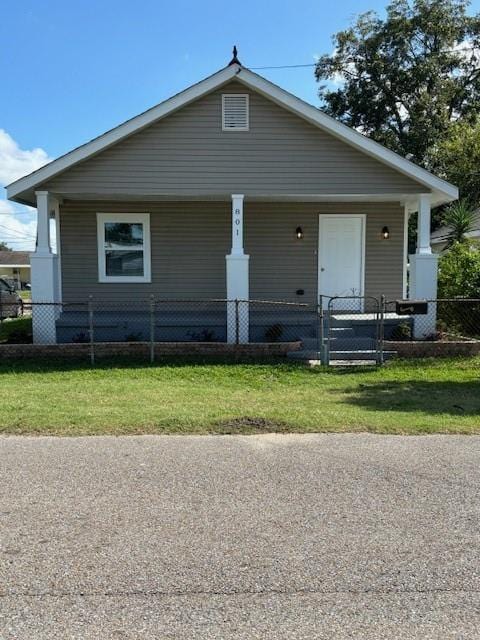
(18, 224)
(17, 230)
(16, 162)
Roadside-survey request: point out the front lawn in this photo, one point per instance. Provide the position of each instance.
(180, 397)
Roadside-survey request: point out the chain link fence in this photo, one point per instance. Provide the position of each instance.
(352, 329)
(446, 319)
(142, 324)
(337, 329)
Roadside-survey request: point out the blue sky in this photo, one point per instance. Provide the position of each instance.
(73, 69)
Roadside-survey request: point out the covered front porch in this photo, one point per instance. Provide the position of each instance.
(267, 251)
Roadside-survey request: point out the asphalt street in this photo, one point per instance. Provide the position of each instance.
(274, 536)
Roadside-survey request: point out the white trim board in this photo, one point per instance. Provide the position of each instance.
(442, 190)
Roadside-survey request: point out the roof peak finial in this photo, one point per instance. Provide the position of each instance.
(235, 59)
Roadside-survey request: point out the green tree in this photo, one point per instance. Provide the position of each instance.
(456, 158)
(3, 247)
(459, 217)
(405, 79)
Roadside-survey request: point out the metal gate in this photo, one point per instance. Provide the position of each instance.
(352, 329)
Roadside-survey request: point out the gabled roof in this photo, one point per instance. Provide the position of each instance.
(14, 259)
(442, 191)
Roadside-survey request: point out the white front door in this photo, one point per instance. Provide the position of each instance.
(341, 258)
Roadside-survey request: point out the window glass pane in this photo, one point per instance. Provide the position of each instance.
(123, 234)
(124, 263)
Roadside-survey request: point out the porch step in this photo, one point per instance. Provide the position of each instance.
(310, 344)
(337, 357)
(340, 323)
(304, 354)
(369, 354)
(313, 354)
(358, 343)
(342, 332)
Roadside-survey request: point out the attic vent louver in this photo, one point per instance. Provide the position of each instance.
(235, 112)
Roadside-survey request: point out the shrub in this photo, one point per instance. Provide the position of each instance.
(16, 331)
(459, 277)
(134, 337)
(459, 271)
(274, 333)
(205, 335)
(402, 331)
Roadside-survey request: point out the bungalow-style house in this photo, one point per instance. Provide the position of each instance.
(233, 189)
(15, 266)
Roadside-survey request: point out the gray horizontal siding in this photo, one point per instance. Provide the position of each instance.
(188, 247)
(187, 153)
(280, 264)
(190, 240)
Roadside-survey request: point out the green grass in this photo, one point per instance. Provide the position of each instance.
(424, 396)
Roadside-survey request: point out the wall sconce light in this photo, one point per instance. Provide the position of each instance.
(299, 233)
(385, 233)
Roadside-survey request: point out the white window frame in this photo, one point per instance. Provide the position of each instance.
(247, 104)
(134, 218)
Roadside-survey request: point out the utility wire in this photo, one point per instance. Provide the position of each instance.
(15, 234)
(286, 66)
(15, 239)
(18, 234)
(17, 213)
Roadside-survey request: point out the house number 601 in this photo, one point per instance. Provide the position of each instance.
(237, 221)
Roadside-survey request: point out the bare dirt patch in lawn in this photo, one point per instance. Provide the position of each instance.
(250, 424)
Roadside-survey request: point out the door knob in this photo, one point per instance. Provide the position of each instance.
(322, 268)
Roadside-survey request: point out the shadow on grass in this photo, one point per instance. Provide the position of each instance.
(459, 398)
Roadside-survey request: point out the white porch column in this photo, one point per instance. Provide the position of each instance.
(237, 279)
(423, 271)
(44, 275)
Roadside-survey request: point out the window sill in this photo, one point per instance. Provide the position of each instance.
(124, 280)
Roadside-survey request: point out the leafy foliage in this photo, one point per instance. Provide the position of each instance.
(404, 80)
(456, 158)
(16, 331)
(4, 247)
(460, 218)
(459, 271)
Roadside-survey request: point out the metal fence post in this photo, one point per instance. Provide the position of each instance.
(152, 328)
(320, 330)
(381, 336)
(237, 321)
(90, 330)
(326, 334)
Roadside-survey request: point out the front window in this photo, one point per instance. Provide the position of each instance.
(124, 247)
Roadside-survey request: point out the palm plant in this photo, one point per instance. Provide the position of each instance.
(459, 217)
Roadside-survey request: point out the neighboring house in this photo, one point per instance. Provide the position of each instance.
(231, 189)
(15, 265)
(439, 238)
